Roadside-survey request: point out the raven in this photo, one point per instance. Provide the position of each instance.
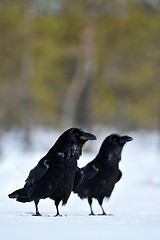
(101, 174)
(56, 174)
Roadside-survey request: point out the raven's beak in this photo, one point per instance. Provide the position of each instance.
(87, 136)
(125, 139)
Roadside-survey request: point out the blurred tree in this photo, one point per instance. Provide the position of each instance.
(84, 62)
(75, 106)
(128, 71)
(27, 71)
(10, 51)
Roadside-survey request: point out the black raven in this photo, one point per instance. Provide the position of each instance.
(101, 174)
(56, 174)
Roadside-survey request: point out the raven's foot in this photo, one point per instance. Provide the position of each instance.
(37, 214)
(91, 214)
(104, 214)
(58, 215)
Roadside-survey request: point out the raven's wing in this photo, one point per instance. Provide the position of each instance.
(119, 176)
(78, 178)
(90, 171)
(37, 172)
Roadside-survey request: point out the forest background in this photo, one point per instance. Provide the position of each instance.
(81, 63)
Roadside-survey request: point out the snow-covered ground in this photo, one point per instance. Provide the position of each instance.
(135, 202)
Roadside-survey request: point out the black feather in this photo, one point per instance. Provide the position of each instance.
(78, 178)
(101, 174)
(55, 175)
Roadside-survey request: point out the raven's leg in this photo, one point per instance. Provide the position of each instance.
(57, 203)
(90, 204)
(36, 205)
(100, 200)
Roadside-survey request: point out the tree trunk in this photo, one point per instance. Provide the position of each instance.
(84, 73)
(27, 74)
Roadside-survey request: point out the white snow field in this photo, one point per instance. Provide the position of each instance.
(135, 202)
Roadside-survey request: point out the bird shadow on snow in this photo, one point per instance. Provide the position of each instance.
(64, 215)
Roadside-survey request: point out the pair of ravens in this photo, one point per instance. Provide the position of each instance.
(57, 174)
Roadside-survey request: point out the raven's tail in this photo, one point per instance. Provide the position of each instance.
(20, 195)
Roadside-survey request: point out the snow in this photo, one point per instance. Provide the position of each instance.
(134, 204)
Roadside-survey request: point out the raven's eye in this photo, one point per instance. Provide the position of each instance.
(77, 134)
(115, 139)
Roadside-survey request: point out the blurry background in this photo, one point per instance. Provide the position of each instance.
(80, 63)
(93, 64)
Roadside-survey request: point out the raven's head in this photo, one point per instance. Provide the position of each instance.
(72, 136)
(117, 140)
(77, 135)
(69, 144)
(113, 145)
